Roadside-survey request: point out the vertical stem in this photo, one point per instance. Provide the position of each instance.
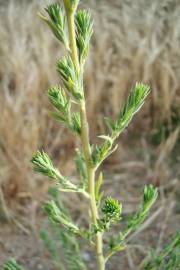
(85, 139)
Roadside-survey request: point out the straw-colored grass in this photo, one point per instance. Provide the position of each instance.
(133, 41)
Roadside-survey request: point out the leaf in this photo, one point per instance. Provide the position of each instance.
(62, 245)
(150, 195)
(133, 104)
(11, 264)
(84, 31)
(98, 184)
(76, 123)
(43, 164)
(106, 138)
(111, 211)
(58, 99)
(70, 77)
(57, 117)
(56, 21)
(58, 217)
(81, 168)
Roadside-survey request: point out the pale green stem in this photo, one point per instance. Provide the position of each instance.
(85, 139)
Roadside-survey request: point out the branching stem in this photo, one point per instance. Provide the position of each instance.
(85, 140)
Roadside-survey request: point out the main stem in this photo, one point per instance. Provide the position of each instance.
(85, 140)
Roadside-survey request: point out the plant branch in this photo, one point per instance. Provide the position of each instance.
(85, 138)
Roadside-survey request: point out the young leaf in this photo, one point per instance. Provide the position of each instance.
(76, 123)
(111, 211)
(69, 76)
(56, 21)
(84, 30)
(58, 99)
(58, 217)
(81, 168)
(59, 118)
(43, 164)
(99, 194)
(149, 197)
(133, 104)
(101, 152)
(150, 194)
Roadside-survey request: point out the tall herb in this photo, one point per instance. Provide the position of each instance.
(74, 29)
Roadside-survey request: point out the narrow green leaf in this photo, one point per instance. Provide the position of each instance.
(133, 104)
(11, 264)
(69, 76)
(98, 184)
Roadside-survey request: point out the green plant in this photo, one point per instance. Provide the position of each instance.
(168, 258)
(104, 212)
(62, 244)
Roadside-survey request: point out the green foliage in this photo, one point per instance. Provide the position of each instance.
(69, 77)
(56, 20)
(76, 122)
(58, 99)
(11, 264)
(89, 157)
(111, 211)
(81, 168)
(149, 197)
(134, 102)
(84, 29)
(61, 244)
(98, 194)
(43, 164)
(168, 258)
(57, 216)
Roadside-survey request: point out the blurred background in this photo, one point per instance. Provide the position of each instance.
(133, 41)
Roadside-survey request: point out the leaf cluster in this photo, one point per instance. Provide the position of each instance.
(59, 100)
(134, 102)
(168, 258)
(43, 164)
(70, 77)
(150, 194)
(81, 168)
(56, 20)
(111, 211)
(84, 31)
(59, 217)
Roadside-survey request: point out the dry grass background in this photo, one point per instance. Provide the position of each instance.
(133, 41)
